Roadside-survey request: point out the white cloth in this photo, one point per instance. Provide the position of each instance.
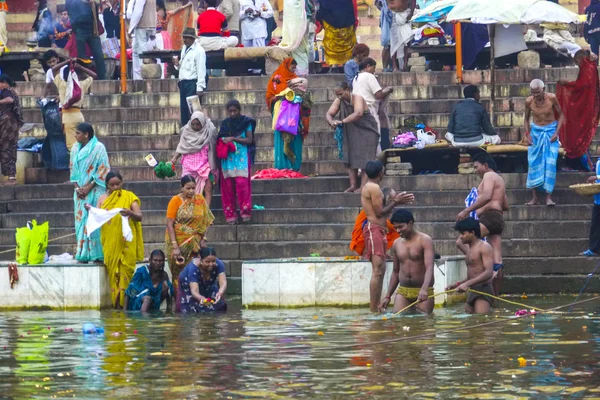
(213, 43)
(561, 40)
(487, 139)
(192, 65)
(3, 31)
(134, 12)
(400, 33)
(143, 40)
(255, 27)
(366, 85)
(98, 217)
(258, 42)
(49, 76)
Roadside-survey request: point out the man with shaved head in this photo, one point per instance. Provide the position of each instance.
(541, 130)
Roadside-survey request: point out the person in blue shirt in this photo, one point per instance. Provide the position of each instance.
(202, 284)
(594, 246)
(150, 286)
(360, 52)
(591, 30)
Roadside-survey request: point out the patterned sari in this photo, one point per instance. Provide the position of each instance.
(192, 220)
(120, 260)
(88, 164)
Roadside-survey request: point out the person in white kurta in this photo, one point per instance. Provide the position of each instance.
(253, 21)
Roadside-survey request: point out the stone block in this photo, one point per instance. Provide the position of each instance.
(417, 68)
(395, 172)
(528, 59)
(415, 55)
(151, 71)
(398, 166)
(465, 165)
(466, 171)
(395, 159)
(416, 61)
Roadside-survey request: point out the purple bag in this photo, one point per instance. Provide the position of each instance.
(289, 117)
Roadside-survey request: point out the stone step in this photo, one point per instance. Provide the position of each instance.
(304, 201)
(550, 265)
(549, 284)
(253, 97)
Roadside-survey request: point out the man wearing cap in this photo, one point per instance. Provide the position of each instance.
(192, 72)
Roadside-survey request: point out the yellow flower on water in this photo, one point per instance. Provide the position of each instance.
(522, 362)
(320, 333)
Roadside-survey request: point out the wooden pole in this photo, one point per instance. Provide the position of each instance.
(492, 71)
(123, 51)
(458, 51)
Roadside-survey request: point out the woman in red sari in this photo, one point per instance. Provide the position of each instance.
(580, 102)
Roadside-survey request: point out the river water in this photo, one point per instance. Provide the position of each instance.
(304, 353)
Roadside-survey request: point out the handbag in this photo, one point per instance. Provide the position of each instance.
(111, 47)
(289, 117)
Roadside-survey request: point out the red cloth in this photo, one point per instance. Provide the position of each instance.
(580, 103)
(272, 173)
(223, 149)
(211, 22)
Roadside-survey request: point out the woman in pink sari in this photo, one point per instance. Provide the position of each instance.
(197, 149)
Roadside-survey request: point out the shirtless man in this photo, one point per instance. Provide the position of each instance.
(479, 267)
(542, 137)
(401, 31)
(413, 266)
(375, 230)
(491, 202)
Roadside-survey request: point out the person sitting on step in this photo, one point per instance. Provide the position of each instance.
(470, 124)
(212, 29)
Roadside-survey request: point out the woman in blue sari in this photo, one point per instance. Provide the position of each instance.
(150, 286)
(89, 167)
(202, 284)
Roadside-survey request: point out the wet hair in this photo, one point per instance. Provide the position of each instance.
(294, 62)
(157, 252)
(50, 54)
(373, 169)
(86, 127)
(343, 85)
(485, 158)
(113, 174)
(187, 179)
(233, 103)
(367, 62)
(207, 251)
(402, 216)
(470, 91)
(467, 225)
(42, 4)
(361, 48)
(8, 80)
(211, 3)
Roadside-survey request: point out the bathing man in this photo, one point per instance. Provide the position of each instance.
(375, 230)
(480, 267)
(542, 136)
(491, 202)
(413, 266)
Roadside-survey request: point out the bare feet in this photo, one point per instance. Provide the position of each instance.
(533, 202)
(549, 202)
(351, 189)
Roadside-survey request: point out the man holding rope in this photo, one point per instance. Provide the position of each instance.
(413, 267)
(480, 267)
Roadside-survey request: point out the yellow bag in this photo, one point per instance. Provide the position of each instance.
(39, 243)
(23, 238)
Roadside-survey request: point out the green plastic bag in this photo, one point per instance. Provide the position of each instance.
(23, 237)
(39, 243)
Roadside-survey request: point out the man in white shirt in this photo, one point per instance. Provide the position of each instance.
(366, 85)
(253, 21)
(192, 72)
(142, 24)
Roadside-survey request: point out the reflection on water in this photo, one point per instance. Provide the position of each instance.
(293, 353)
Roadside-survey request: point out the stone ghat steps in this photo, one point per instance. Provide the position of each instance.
(100, 99)
(419, 183)
(336, 248)
(253, 83)
(306, 201)
(340, 230)
(548, 284)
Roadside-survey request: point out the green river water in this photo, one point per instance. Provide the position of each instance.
(300, 353)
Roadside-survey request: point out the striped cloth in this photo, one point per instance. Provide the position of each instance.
(471, 198)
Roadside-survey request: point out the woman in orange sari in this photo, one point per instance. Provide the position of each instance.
(188, 218)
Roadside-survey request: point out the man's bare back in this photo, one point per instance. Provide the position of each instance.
(371, 197)
(542, 112)
(411, 256)
(495, 184)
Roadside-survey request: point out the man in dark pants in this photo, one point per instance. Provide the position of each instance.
(85, 24)
(591, 29)
(192, 72)
(594, 246)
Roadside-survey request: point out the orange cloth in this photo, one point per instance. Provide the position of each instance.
(357, 244)
(173, 206)
(282, 74)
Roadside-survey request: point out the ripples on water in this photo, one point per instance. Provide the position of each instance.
(289, 354)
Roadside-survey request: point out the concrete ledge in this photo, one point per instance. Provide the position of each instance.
(317, 281)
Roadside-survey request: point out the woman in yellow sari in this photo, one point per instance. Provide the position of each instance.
(188, 218)
(120, 256)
